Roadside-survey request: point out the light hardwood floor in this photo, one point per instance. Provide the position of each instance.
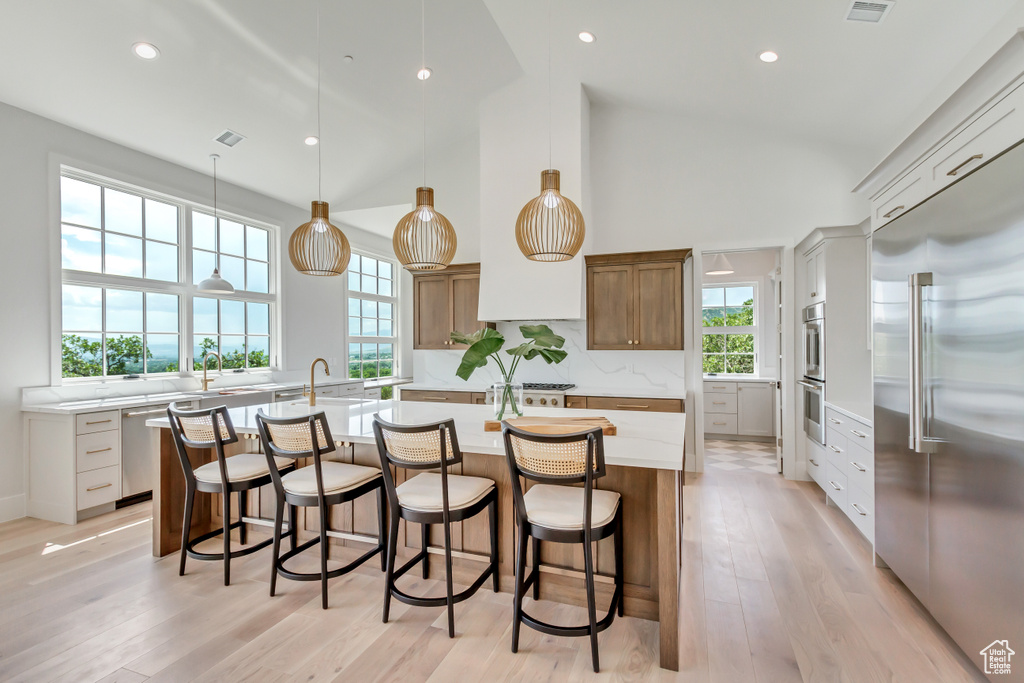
(776, 588)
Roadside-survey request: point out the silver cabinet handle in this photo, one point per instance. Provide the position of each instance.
(99, 422)
(835, 421)
(955, 170)
(99, 450)
(836, 486)
(835, 450)
(860, 434)
(858, 466)
(812, 387)
(898, 208)
(858, 508)
(97, 488)
(811, 460)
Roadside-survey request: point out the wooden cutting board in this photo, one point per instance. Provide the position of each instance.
(555, 425)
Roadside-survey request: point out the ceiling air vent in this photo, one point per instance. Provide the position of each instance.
(229, 138)
(871, 12)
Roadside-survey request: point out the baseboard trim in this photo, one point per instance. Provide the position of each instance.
(12, 507)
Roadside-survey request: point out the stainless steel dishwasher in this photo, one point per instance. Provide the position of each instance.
(137, 457)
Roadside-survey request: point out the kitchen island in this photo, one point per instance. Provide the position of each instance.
(645, 463)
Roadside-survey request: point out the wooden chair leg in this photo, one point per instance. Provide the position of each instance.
(243, 510)
(425, 540)
(323, 554)
(226, 497)
(186, 529)
(389, 572)
(588, 560)
(382, 530)
(536, 568)
(448, 578)
(493, 515)
(517, 601)
(278, 521)
(620, 579)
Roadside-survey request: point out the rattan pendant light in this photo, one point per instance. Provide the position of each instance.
(550, 227)
(317, 247)
(424, 239)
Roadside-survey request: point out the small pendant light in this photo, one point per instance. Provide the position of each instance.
(215, 284)
(550, 227)
(317, 247)
(424, 239)
(719, 265)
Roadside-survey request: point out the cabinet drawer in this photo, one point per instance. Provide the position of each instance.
(654, 405)
(87, 423)
(835, 486)
(96, 450)
(816, 463)
(719, 423)
(900, 198)
(835, 449)
(437, 396)
(720, 403)
(993, 132)
(372, 394)
(860, 507)
(327, 392)
(97, 487)
(861, 435)
(353, 389)
(719, 387)
(860, 468)
(575, 401)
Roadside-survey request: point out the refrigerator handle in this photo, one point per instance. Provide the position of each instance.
(917, 441)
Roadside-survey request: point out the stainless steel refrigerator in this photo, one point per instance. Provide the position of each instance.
(948, 319)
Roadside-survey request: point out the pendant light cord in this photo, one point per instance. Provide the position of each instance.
(319, 142)
(549, 84)
(423, 92)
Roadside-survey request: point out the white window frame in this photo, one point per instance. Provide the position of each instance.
(739, 329)
(394, 299)
(183, 288)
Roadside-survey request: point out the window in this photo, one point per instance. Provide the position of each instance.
(372, 329)
(130, 259)
(730, 331)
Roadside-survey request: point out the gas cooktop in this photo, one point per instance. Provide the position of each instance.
(546, 386)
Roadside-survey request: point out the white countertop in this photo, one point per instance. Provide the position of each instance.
(652, 392)
(734, 378)
(648, 440)
(141, 400)
(863, 413)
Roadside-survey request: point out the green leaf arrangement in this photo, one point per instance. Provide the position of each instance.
(487, 343)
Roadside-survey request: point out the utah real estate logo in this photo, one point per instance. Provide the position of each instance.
(997, 657)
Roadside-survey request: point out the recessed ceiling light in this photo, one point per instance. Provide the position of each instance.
(312, 140)
(145, 50)
(348, 58)
(423, 74)
(768, 57)
(587, 36)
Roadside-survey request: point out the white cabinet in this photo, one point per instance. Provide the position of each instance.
(910, 191)
(815, 264)
(755, 415)
(848, 475)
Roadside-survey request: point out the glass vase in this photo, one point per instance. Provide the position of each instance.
(508, 400)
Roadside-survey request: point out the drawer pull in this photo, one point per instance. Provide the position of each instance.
(635, 406)
(811, 460)
(97, 488)
(860, 434)
(898, 208)
(835, 450)
(835, 421)
(720, 424)
(99, 450)
(858, 466)
(836, 486)
(99, 422)
(714, 387)
(973, 158)
(435, 398)
(718, 403)
(858, 508)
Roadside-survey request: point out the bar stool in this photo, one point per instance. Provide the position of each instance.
(551, 511)
(212, 428)
(325, 483)
(431, 498)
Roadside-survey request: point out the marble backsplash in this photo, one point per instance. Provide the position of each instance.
(649, 371)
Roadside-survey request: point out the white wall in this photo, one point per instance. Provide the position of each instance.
(33, 148)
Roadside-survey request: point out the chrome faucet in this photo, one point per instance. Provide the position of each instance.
(312, 388)
(220, 366)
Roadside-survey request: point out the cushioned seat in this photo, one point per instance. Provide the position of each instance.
(561, 507)
(240, 467)
(338, 476)
(423, 492)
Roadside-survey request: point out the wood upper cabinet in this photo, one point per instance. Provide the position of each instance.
(635, 301)
(446, 302)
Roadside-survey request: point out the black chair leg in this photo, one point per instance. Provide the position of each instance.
(536, 568)
(620, 579)
(243, 510)
(425, 539)
(278, 521)
(293, 529)
(186, 528)
(389, 572)
(448, 578)
(588, 561)
(517, 603)
(492, 512)
(323, 554)
(226, 497)
(382, 530)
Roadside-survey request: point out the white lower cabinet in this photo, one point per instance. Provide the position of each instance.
(736, 408)
(848, 477)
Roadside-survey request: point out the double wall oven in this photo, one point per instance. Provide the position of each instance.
(813, 382)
